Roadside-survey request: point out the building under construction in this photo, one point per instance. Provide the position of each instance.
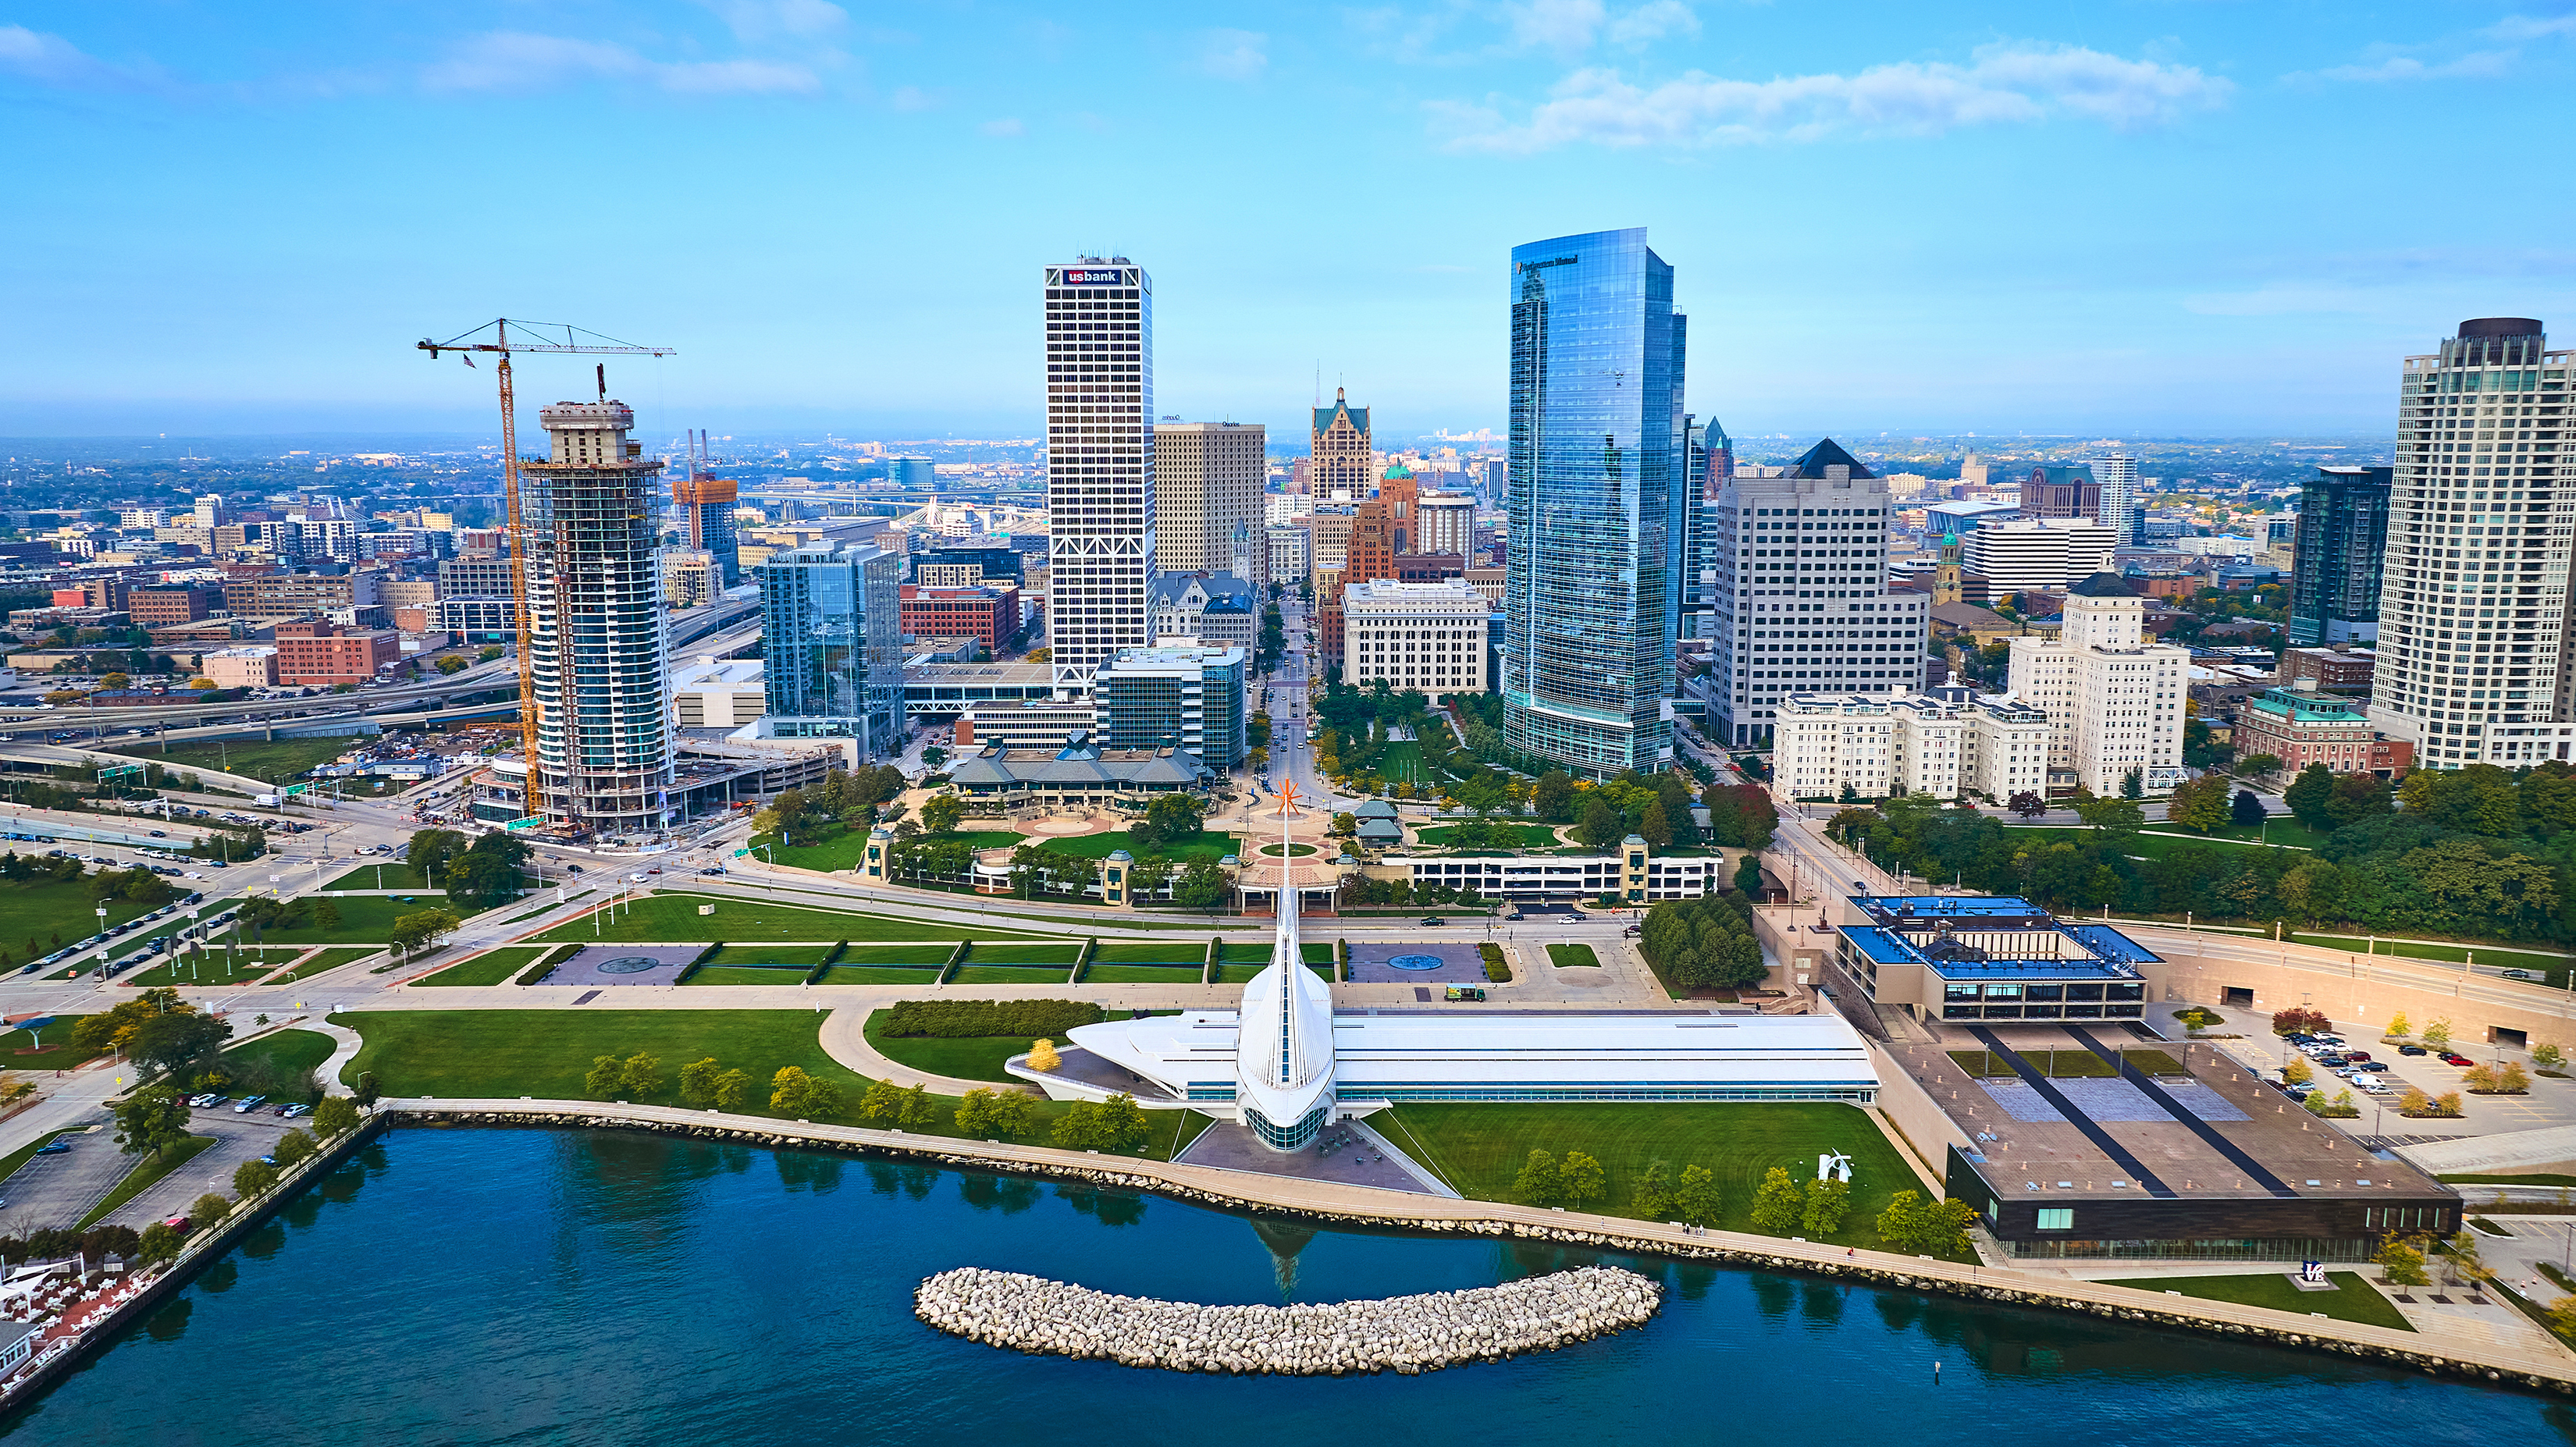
(598, 647)
(706, 503)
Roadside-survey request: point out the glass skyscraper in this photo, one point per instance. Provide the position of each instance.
(832, 642)
(1592, 591)
(2337, 554)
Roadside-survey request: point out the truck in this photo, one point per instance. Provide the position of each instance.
(265, 800)
(1466, 992)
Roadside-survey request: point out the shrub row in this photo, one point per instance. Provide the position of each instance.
(976, 1019)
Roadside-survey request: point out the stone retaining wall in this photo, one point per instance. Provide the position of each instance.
(1442, 1217)
(1406, 1334)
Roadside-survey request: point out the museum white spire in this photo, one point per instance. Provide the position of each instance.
(1284, 1042)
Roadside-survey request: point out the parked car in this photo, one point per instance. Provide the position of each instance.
(54, 1148)
(2461, 1061)
(2356, 1055)
(296, 1110)
(2413, 1050)
(2374, 1066)
(249, 1104)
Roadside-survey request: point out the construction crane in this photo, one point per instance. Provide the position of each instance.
(539, 338)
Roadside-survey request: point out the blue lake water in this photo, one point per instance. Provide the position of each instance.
(489, 1287)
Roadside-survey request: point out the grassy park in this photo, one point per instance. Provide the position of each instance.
(394, 873)
(330, 959)
(48, 1049)
(964, 1058)
(661, 918)
(218, 967)
(1101, 846)
(804, 956)
(37, 919)
(288, 1052)
(2353, 1298)
(749, 975)
(362, 917)
(879, 975)
(278, 761)
(1572, 956)
(492, 967)
(1479, 1149)
(844, 850)
(1506, 835)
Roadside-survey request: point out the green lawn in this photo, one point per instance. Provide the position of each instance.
(37, 919)
(506, 1053)
(1154, 974)
(1480, 1149)
(2353, 1299)
(1150, 952)
(897, 955)
(663, 918)
(878, 975)
(395, 873)
(216, 968)
(133, 942)
(965, 1058)
(330, 959)
(297, 1052)
(2495, 1180)
(1400, 761)
(1012, 974)
(1101, 846)
(145, 1175)
(844, 850)
(278, 761)
(2145, 846)
(48, 1049)
(1019, 954)
(2505, 957)
(1513, 836)
(749, 974)
(806, 956)
(362, 917)
(1234, 954)
(1567, 956)
(492, 967)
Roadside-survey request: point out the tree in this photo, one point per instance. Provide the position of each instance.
(423, 927)
(431, 851)
(1748, 874)
(2297, 1071)
(2133, 784)
(1013, 1114)
(1901, 1223)
(2401, 1262)
(2028, 805)
(602, 1079)
(2308, 796)
(1580, 1178)
(882, 1100)
(2112, 816)
(2414, 1102)
(2398, 1027)
(1657, 827)
(1202, 886)
(293, 1147)
(451, 664)
(1601, 827)
(151, 1121)
(942, 814)
(209, 1208)
(336, 1115)
(698, 1082)
(158, 1243)
(2198, 803)
(823, 1098)
(2247, 810)
(489, 872)
(2548, 1055)
(175, 1043)
(917, 1110)
(2436, 1035)
(1653, 1198)
(2512, 1079)
(790, 1090)
(2260, 766)
(2357, 797)
(252, 1177)
(1775, 1203)
(2465, 1262)
(1828, 1201)
(1934, 1228)
(2300, 1020)
(365, 1090)
(1552, 797)
(1042, 1057)
(1696, 1199)
(733, 1090)
(1540, 1182)
(641, 1075)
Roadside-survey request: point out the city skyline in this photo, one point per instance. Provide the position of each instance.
(234, 192)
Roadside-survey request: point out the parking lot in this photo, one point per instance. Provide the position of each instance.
(58, 1190)
(2549, 1102)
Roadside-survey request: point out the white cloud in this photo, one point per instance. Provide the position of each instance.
(912, 98)
(2477, 64)
(52, 60)
(1006, 126)
(1234, 54)
(2533, 27)
(757, 20)
(1653, 22)
(2019, 82)
(1566, 25)
(509, 59)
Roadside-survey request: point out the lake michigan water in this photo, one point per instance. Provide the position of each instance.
(527, 1286)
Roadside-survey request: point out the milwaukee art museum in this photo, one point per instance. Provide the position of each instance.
(1286, 1063)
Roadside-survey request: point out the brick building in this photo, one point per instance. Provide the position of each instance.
(2340, 669)
(2300, 726)
(312, 652)
(166, 606)
(284, 595)
(989, 613)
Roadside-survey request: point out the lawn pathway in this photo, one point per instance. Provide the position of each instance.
(845, 1039)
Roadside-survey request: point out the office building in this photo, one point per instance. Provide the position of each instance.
(1100, 463)
(913, 474)
(312, 653)
(482, 576)
(2301, 725)
(832, 641)
(1207, 499)
(718, 693)
(1948, 743)
(597, 641)
(2062, 492)
(1798, 600)
(958, 567)
(475, 620)
(691, 577)
(2340, 669)
(1445, 522)
(1291, 555)
(1188, 697)
(988, 614)
(164, 605)
(2122, 510)
(1340, 464)
(1028, 724)
(2113, 698)
(1428, 637)
(250, 667)
(1208, 607)
(1712, 466)
(2037, 553)
(2473, 596)
(2337, 552)
(287, 595)
(1596, 371)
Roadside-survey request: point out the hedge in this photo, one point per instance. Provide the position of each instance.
(982, 1019)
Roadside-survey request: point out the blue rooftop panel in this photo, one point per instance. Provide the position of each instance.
(1955, 906)
(1882, 946)
(2109, 943)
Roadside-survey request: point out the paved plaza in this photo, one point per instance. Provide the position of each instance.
(625, 965)
(1405, 964)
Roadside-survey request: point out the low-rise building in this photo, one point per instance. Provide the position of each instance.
(1029, 724)
(1291, 553)
(168, 605)
(1946, 742)
(691, 577)
(1078, 774)
(476, 620)
(2038, 552)
(311, 652)
(1214, 608)
(250, 667)
(2299, 725)
(717, 693)
(2341, 669)
(990, 612)
(1189, 696)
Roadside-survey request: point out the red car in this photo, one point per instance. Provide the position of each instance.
(2356, 1056)
(2459, 1060)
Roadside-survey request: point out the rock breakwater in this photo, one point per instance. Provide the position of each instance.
(1406, 1334)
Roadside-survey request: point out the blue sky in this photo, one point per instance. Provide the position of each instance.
(2115, 218)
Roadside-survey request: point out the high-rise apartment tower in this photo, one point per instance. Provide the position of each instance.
(1207, 499)
(2337, 555)
(2121, 510)
(2473, 596)
(597, 643)
(1100, 463)
(1595, 502)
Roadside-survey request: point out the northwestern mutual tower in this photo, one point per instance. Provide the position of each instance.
(1591, 596)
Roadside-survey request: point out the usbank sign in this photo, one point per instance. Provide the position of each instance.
(1095, 277)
